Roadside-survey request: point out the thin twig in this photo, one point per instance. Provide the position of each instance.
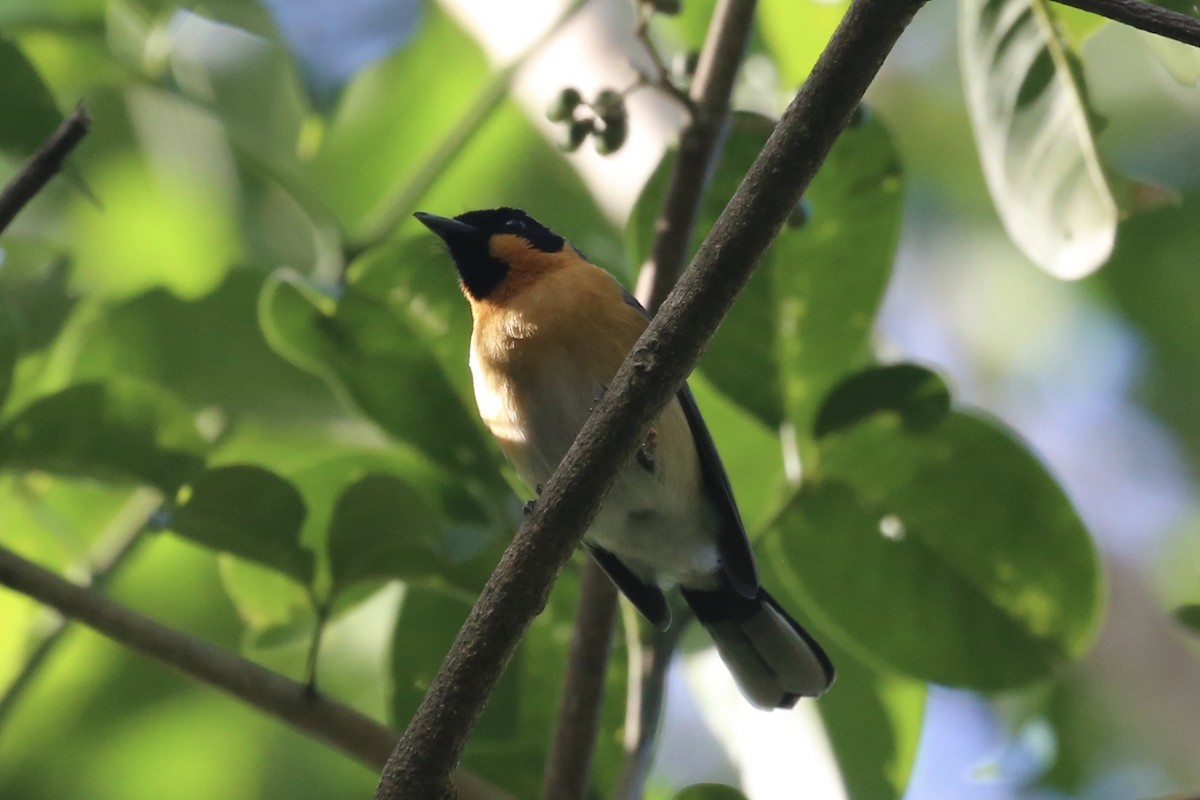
(654, 371)
(1144, 16)
(328, 721)
(716, 73)
(661, 79)
(44, 165)
(647, 700)
(569, 763)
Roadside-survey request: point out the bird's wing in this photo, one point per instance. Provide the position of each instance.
(737, 557)
(647, 598)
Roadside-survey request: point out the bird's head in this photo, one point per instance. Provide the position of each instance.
(500, 250)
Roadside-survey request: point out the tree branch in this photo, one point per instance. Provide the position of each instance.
(328, 721)
(720, 60)
(1144, 16)
(654, 371)
(43, 166)
(569, 762)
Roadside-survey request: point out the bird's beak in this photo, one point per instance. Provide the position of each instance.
(449, 229)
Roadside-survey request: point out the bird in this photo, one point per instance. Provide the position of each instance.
(549, 330)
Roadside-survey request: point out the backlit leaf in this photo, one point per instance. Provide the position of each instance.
(1028, 107)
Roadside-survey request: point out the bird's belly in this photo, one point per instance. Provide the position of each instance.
(655, 518)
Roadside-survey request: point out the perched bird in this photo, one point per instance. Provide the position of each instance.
(550, 330)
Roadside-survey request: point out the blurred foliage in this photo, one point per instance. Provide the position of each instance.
(246, 319)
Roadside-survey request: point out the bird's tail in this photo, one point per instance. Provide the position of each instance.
(774, 661)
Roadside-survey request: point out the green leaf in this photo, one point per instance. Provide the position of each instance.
(399, 119)
(805, 318)
(1152, 279)
(1029, 109)
(1189, 617)
(9, 350)
(246, 81)
(948, 554)
(797, 31)
(371, 355)
(121, 430)
(208, 352)
(265, 599)
(873, 720)
(381, 528)
(248, 512)
(709, 791)
(30, 111)
(918, 396)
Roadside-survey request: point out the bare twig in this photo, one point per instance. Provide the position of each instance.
(340, 726)
(569, 764)
(647, 701)
(654, 371)
(661, 79)
(44, 165)
(716, 73)
(1144, 16)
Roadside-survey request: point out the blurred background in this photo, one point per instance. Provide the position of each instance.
(236, 138)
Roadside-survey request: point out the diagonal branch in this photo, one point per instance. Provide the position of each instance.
(518, 589)
(1144, 16)
(44, 165)
(340, 726)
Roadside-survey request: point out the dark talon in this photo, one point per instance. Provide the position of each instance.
(597, 397)
(528, 508)
(538, 489)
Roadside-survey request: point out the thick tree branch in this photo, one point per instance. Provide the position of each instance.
(328, 721)
(1144, 16)
(44, 165)
(518, 589)
(716, 73)
(569, 763)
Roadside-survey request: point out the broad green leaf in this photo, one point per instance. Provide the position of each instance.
(805, 318)
(390, 120)
(34, 284)
(947, 554)
(248, 82)
(873, 720)
(30, 113)
(1152, 279)
(709, 791)
(364, 350)
(381, 528)
(121, 430)
(1077, 25)
(797, 31)
(173, 228)
(9, 350)
(266, 599)
(1029, 109)
(249, 512)
(208, 352)
(918, 396)
(1189, 617)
